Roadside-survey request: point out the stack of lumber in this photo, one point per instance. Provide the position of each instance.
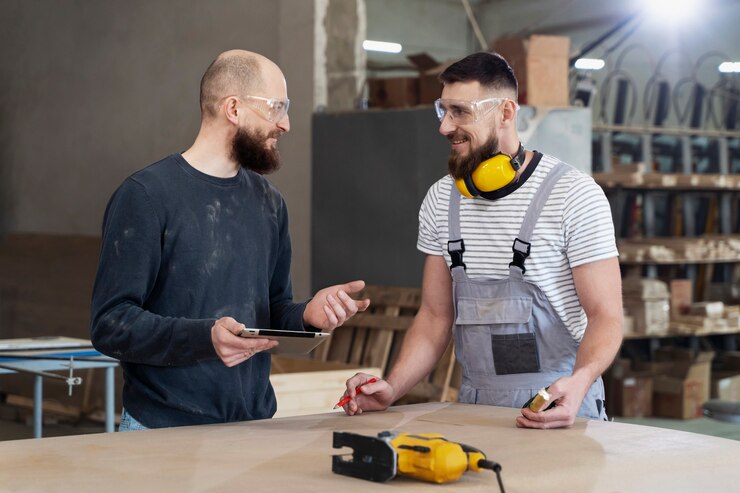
(707, 318)
(634, 177)
(709, 248)
(308, 386)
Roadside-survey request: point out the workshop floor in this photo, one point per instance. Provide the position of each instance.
(15, 425)
(704, 426)
(12, 429)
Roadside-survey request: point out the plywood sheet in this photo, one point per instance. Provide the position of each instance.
(294, 454)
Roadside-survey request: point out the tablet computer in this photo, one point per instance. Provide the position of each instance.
(291, 341)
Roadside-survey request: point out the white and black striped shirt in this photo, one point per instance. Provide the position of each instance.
(575, 228)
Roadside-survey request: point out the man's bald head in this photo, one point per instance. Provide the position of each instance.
(235, 72)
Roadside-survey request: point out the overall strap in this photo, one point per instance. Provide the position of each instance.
(455, 245)
(522, 243)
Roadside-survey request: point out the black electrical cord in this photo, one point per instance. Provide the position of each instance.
(717, 88)
(590, 46)
(717, 92)
(731, 101)
(658, 77)
(683, 116)
(706, 56)
(623, 54)
(667, 54)
(495, 467)
(651, 91)
(624, 38)
(485, 463)
(630, 48)
(605, 87)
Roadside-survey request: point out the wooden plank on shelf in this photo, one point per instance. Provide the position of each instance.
(689, 132)
(678, 329)
(672, 250)
(626, 178)
(624, 169)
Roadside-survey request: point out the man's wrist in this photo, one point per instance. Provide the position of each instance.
(391, 381)
(585, 375)
(306, 324)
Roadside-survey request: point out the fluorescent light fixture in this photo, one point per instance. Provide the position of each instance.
(729, 67)
(672, 11)
(383, 46)
(590, 64)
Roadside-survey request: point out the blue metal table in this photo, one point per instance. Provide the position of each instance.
(29, 361)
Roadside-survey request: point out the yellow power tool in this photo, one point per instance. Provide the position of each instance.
(426, 456)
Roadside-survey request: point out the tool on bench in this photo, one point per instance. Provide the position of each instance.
(538, 401)
(426, 456)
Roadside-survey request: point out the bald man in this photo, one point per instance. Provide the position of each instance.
(195, 247)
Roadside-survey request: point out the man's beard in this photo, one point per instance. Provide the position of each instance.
(248, 149)
(461, 166)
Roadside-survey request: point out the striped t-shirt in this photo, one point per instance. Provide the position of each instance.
(575, 228)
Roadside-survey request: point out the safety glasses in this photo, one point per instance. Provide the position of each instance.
(463, 112)
(272, 109)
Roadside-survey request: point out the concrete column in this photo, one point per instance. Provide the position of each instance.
(341, 26)
(320, 53)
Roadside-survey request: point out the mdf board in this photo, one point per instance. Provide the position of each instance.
(295, 454)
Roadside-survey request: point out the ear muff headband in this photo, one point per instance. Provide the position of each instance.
(492, 174)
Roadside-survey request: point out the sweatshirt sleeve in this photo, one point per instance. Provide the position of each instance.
(129, 263)
(284, 314)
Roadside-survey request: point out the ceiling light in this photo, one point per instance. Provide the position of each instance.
(672, 11)
(729, 67)
(383, 46)
(589, 64)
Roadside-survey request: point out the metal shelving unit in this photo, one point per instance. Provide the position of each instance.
(675, 213)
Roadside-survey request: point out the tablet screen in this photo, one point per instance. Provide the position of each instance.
(290, 341)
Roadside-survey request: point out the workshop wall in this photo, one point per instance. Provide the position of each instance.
(92, 91)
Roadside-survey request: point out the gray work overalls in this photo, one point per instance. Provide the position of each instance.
(508, 338)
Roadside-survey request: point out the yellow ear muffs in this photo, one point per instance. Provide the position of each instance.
(492, 174)
(463, 188)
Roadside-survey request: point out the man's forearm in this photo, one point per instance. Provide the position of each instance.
(425, 342)
(599, 346)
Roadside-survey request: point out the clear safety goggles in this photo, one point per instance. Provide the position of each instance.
(463, 112)
(272, 109)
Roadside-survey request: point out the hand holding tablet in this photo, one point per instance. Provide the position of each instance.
(290, 341)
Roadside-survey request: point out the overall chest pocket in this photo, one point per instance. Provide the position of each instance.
(494, 334)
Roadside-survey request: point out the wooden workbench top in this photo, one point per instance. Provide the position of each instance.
(294, 455)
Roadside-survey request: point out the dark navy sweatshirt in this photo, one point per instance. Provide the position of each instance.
(181, 249)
